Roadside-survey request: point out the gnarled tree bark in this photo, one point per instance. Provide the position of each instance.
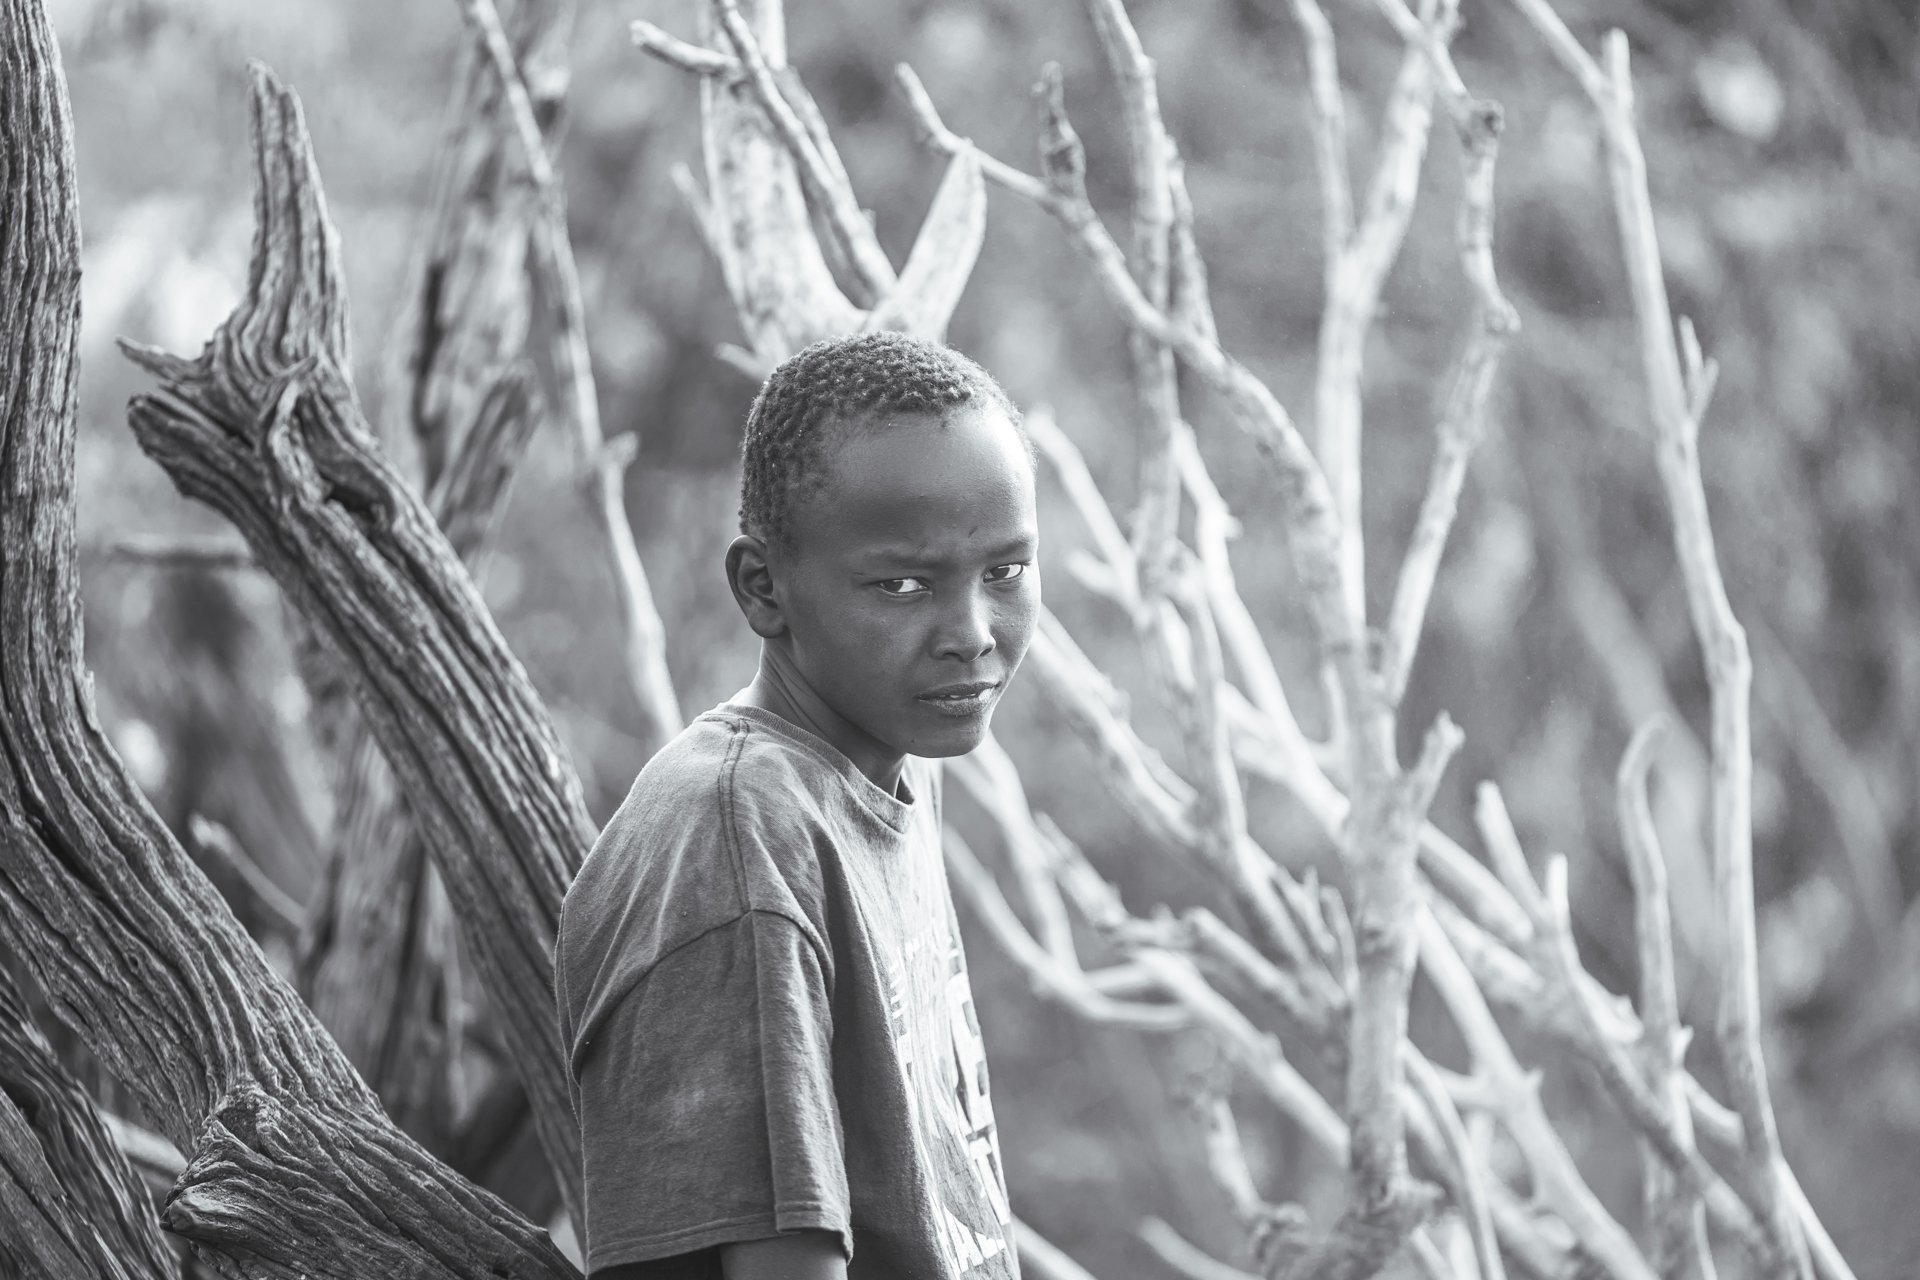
(264, 427)
(68, 1189)
(380, 967)
(293, 1169)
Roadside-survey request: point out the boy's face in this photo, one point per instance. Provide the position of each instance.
(911, 587)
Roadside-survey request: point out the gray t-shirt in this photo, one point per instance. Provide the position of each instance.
(762, 992)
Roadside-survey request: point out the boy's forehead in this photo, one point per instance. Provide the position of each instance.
(919, 483)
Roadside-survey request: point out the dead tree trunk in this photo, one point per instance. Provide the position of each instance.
(293, 1168)
(68, 1191)
(265, 428)
(380, 967)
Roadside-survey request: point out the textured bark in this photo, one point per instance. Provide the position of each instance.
(89, 1202)
(380, 967)
(265, 428)
(294, 1170)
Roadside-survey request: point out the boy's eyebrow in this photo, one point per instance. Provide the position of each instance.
(901, 554)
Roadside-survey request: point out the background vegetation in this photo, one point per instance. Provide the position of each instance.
(1785, 168)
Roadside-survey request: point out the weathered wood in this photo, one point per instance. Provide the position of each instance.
(380, 967)
(265, 427)
(294, 1170)
(57, 1153)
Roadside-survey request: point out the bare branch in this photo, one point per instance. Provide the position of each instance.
(1675, 387)
(603, 462)
(1354, 281)
(922, 300)
(1185, 1257)
(1470, 1178)
(1329, 133)
(263, 902)
(1464, 418)
(1677, 1220)
(1157, 512)
(689, 57)
(1042, 1260)
(1050, 976)
(826, 190)
(160, 551)
(1515, 1095)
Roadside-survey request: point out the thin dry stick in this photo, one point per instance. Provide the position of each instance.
(1050, 976)
(989, 775)
(1470, 1179)
(1677, 1219)
(675, 52)
(1329, 133)
(1354, 281)
(643, 634)
(1464, 418)
(1184, 1256)
(1677, 396)
(1514, 1095)
(185, 552)
(1157, 514)
(832, 197)
(1608, 1047)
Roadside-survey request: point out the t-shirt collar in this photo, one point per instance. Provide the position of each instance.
(896, 811)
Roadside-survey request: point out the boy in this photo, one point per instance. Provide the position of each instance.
(775, 1061)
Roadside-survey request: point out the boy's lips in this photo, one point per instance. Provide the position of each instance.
(965, 700)
(960, 691)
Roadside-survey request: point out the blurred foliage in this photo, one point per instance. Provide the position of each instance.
(1785, 167)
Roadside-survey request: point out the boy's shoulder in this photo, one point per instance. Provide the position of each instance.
(730, 769)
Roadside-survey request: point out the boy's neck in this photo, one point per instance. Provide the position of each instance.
(779, 688)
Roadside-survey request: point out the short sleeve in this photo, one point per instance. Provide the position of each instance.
(706, 1101)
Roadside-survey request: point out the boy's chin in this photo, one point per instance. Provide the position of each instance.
(957, 740)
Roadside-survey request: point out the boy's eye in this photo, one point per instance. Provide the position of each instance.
(1006, 572)
(902, 586)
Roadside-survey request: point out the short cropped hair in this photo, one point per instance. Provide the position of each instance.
(841, 382)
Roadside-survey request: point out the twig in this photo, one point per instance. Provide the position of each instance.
(1679, 383)
(1354, 281)
(1470, 1179)
(1329, 133)
(989, 775)
(1157, 512)
(1606, 1045)
(675, 52)
(1048, 975)
(1516, 1095)
(1042, 1260)
(1464, 417)
(642, 631)
(165, 552)
(851, 232)
(1185, 1257)
(1677, 1220)
(272, 906)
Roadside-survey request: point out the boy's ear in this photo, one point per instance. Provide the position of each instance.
(750, 576)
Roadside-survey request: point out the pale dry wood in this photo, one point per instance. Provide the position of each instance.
(576, 396)
(823, 181)
(1679, 384)
(295, 1169)
(1185, 1257)
(684, 54)
(1156, 513)
(1676, 1217)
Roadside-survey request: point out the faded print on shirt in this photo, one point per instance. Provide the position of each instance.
(937, 1039)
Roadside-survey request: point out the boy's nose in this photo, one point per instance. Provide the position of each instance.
(966, 632)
